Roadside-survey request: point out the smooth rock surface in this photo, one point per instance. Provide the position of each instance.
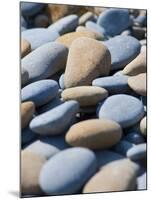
(25, 47)
(143, 126)
(137, 152)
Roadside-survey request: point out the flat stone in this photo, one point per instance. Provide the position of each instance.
(143, 126)
(25, 47)
(45, 61)
(123, 50)
(55, 121)
(24, 76)
(94, 134)
(82, 70)
(138, 84)
(137, 152)
(29, 9)
(40, 92)
(81, 161)
(85, 95)
(128, 112)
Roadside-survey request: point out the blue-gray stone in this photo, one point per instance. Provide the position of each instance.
(48, 146)
(39, 36)
(114, 20)
(142, 182)
(40, 92)
(23, 22)
(138, 152)
(30, 9)
(55, 121)
(124, 109)
(122, 147)
(140, 20)
(65, 24)
(45, 61)
(114, 84)
(92, 26)
(134, 138)
(61, 82)
(27, 136)
(126, 32)
(123, 50)
(144, 101)
(67, 171)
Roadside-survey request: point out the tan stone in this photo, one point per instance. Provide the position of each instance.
(85, 95)
(85, 17)
(25, 48)
(143, 126)
(94, 134)
(87, 60)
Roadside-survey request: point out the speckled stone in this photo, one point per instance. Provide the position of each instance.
(45, 61)
(85, 95)
(82, 70)
(110, 178)
(85, 17)
(31, 165)
(24, 76)
(138, 84)
(137, 66)
(25, 47)
(27, 111)
(137, 152)
(81, 161)
(94, 134)
(143, 126)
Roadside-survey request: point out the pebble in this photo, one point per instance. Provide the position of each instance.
(85, 17)
(128, 112)
(95, 28)
(45, 61)
(113, 84)
(114, 20)
(40, 92)
(65, 24)
(123, 146)
(39, 36)
(108, 179)
(137, 152)
(85, 95)
(83, 165)
(94, 134)
(41, 20)
(25, 47)
(29, 9)
(27, 136)
(31, 165)
(24, 76)
(138, 84)
(134, 138)
(95, 61)
(123, 50)
(61, 82)
(55, 121)
(136, 66)
(98, 36)
(143, 126)
(27, 111)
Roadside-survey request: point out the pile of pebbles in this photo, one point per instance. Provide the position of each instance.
(83, 99)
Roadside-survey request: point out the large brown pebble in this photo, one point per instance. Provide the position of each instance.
(31, 164)
(143, 125)
(94, 134)
(25, 48)
(87, 60)
(137, 66)
(116, 176)
(27, 111)
(138, 83)
(85, 95)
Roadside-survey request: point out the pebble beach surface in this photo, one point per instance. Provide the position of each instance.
(83, 99)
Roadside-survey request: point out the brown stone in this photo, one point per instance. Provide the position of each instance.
(25, 48)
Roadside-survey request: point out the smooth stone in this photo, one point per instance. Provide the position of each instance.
(138, 84)
(114, 20)
(48, 146)
(39, 36)
(85, 17)
(85, 95)
(29, 9)
(40, 92)
(137, 152)
(122, 147)
(124, 109)
(45, 61)
(134, 137)
(55, 121)
(41, 20)
(95, 28)
(142, 182)
(82, 70)
(126, 32)
(137, 66)
(23, 22)
(116, 176)
(94, 134)
(65, 24)
(27, 136)
(61, 81)
(113, 84)
(143, 48)
(31, 165)
(27, 111)
(25, 47)
(123, 50)
(80, 165)
(98, 36)
(24, 76)
(143, 126)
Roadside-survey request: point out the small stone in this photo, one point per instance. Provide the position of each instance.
(137, 152)
(123, 146)
(41, 20)
(134, 138)
(143, 126)
(85, 17)
(61, 82)
(85, 95)
(25, 47)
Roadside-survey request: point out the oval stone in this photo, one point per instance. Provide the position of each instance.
(81, 161)
(82, 70)
(138, 84)
(94, 134)
(137, 152)
(143, 126)
(85, 95)
(27, 111)
(61, 81)
(124, 109)
(29, 9)
(55, 121)
(45, 61)
(40, 92)
(25, 47)
(123, 50)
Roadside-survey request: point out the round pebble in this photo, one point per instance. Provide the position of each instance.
(143, 126)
